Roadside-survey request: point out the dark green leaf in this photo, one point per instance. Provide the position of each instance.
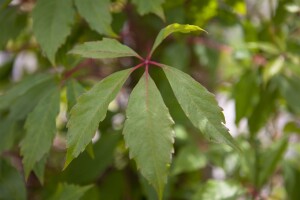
(200, 106)
(148, 133)
(97, 14)
(74, 90)
(90, 110)
(12, 185)
(41, 129)
(69, 192)
(52, 24)
(153, 6)
(107, 48)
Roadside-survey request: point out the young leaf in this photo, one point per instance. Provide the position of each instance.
(52, 24)
(107, 48)
(41, 128)
(97, 14)
(186, 28)
(153, 6)
(148, 133)
(90, 110)
(69, 192)
(200, 106)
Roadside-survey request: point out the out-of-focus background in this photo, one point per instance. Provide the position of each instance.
(250, 59)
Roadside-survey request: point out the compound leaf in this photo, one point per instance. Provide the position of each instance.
(107, 48)
(52, 24)
(41, 128)
(90, 110)
(148, 133)
(200, 106)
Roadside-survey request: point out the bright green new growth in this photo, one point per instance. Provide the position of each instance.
(39, 136)
(97, 14)
(107, 48)
(90, 110)
(172, 28)
(148, 132)
(200, 106)
(52, 24)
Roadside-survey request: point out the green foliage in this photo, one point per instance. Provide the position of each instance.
(69, 192)
(148, 119)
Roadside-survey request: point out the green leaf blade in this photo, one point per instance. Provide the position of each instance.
(200, 106)
(97, 14)
(153, 6)
(51, 24)
(148, 133)
(69, 192)
(41, 129)
(90, 110)
(106, 48)
(172, 28)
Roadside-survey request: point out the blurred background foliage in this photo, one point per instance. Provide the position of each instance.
(249, 59)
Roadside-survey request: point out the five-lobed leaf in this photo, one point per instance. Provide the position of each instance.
(165, 32)
(90, 110)
(148, 132)
(153, 6)
(52, 24)
(41, 129)
(97, 14)
(107, 48)
(200, 106)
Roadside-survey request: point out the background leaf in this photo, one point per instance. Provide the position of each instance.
(154, 6)
(148, 133)
(69, 192)
(52, 24)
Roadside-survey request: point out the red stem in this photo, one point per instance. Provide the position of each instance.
(137, 66)
(155, 63)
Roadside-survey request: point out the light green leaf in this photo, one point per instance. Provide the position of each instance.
(153, 6)
(12, 185)
(74, 90)
(188, 159)
(148, 133)
(52, 24)
(97, 14)
(107, 48)
(200, 106)
(41, 128)
(69, 192)
(21, 88)
(182, 28)
(219, 190)
(90, 110)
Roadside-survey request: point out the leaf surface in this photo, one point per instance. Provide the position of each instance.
(200, 106)
(90, 110)
(69, 192)
(52, 24)
(97, 14)
(182, 28)
(41, 129)
(74, 90)
(106, 48)
(148, 133)
(153, 6)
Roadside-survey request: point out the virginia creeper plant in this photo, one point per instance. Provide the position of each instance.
(148, 131)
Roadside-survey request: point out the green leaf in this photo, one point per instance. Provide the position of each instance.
(97, 14)
(219, 190)
(148, 133)
(39, 169)
(41, 129)
(12, 185)
(74, 90)
(153, 6)
(107, 48)
(52, 24)
(69, 192)
(9, 133)
(21, 88)
(291, 180)
(270, 159)
(200, 106)
(186, 28)
(90, 110)
(12, 22)
(188, 159)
